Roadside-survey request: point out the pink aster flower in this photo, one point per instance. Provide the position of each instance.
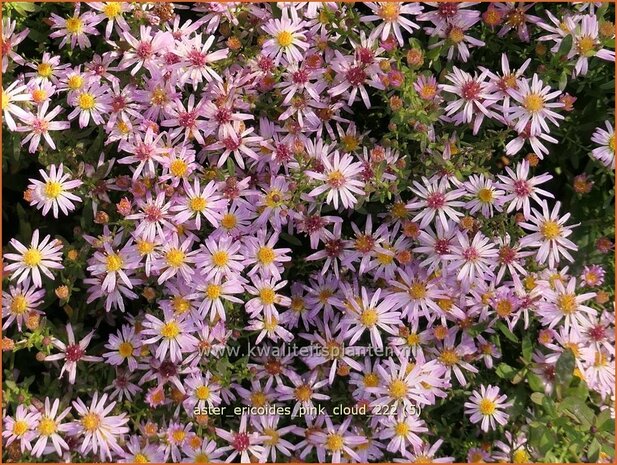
(75, 28)
(434, 199)
(340, 180)
(32, 261)
(72, 353)
(48, 429)
(247, 445)
(38, 126)
(486, 406)
(520, 188)
(473, 258)
(197, 58)
(21, 427)
(370, 315)
(337, 440)
(390, 15)
(124, 346)
(268, 261)
(549, 235)
(475, 95)
(15, 93)
(52, 193)
(173, 335)
(98, 431)
(20, 302)
(287, 37)
(206, 202)
(606, 139)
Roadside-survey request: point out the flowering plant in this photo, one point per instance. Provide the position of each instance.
(340, 232)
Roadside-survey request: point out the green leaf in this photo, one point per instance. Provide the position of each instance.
(566, 45)
(535, 382)
(565, 367)
(579, 410)
(506, 332)
(505, 371)
(537, 397)
(291, 239)
(527, 348)
(593, 453)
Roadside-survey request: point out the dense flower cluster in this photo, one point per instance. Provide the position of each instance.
(241, 200)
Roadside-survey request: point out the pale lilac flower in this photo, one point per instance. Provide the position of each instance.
(606, 139)
(98, 431)
(390, 15)
(53, 191)
(485, 407)
(173, 335)
(72, 353)
(34, 260)
(340, 180)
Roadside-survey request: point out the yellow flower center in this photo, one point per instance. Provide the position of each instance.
(258, 399)
(91, 422)
(159, 96)
(229, 221)
(198, 204)
(369, 317)
(180, 305)
(303, 393)
(274, 198)
(389, 11)
(550, 230)
(39, 95)
(86, 101)
(423, 459)
(178, 435)
(19, 305)
(428, 91)
(417, 291)
(140, 458)
(413, 340)
(202, 392)
(114, 262)
(487, 407)
(336, 179)
(32, 257)
(44, 69)
(611, 142)
(273, 436)
(567, 303)
(399, 210)
(445, 304)
(74, 25)
(170, 330)
(75, 82)
(401, 429)
(385, 259)
(265, 255)
(175, 258)
(220, 258)
(285, 38)
(530, 282)
(503, 307)
(456, 35)
(448, 357)
(585, 45)
(125, 349)
(371, 380)
(145, 247)
(53, 189)
(20, 427)
(123, 127)
(213, 291)
(5, 99)
(112, 9)
(201, 457)
(267, 295)
(533, 103)
(485, 195)
(397, 389)
(349, 142)
(334, 442)
(520, 456)
(178, 168)
(47, 427)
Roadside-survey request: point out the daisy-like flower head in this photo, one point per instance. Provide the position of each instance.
(49, 427)
(75, 28)
(340, 180)
(72, 353)
(549, 235)
(534, 106)
(19, 303)
(606, 139)
(173, 334)
(98, 431)
(32, 261)
(21, 427)
(52, 193)
(287, 37)
(390, 15)
(485, 407)
(520, 189)
(15, 93)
